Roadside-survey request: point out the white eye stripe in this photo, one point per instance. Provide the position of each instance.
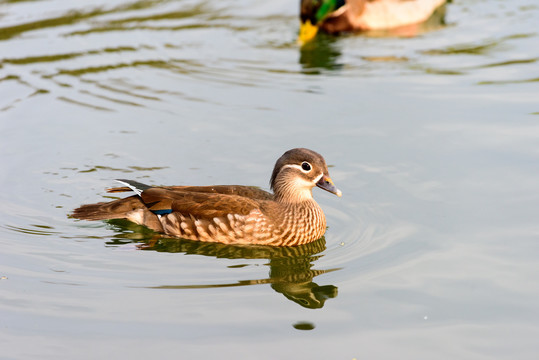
(296, 167)
(293, 166)
(299, 168)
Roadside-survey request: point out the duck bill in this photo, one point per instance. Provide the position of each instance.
(326, 183)
(307, 32)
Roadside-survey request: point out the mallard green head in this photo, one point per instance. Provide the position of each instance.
(313, 13)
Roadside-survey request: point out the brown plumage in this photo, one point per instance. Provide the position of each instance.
(230, 214)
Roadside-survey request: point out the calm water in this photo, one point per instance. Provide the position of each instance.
(431, 253)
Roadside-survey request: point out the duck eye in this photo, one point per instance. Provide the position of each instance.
(306, 166)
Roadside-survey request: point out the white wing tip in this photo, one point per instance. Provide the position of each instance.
(132, 187)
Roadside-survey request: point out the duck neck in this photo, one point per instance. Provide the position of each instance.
(304, 196)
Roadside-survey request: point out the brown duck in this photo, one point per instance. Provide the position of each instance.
(230, 214)
(334, 16)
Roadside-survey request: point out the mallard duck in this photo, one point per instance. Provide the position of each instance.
(334, 16)
(230, 214)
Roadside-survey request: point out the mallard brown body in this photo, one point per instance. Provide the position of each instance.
(230, 214)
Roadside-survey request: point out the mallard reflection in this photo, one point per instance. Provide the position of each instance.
(321, 54)
(291, 268)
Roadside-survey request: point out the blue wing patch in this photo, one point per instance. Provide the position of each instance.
(161, 212)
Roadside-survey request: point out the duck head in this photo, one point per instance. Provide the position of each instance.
(312, 14)
(296, 172)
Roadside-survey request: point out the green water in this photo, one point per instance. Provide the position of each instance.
(431, 253)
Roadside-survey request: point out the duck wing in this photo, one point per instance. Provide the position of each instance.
(251, 192)
(200, 205)
(191, 201)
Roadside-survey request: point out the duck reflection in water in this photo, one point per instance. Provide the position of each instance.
(291, 268)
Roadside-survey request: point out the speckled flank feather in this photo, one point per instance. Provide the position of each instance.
(298, 225)
(230, 214)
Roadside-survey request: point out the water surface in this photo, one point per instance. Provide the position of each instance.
(431, 253)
